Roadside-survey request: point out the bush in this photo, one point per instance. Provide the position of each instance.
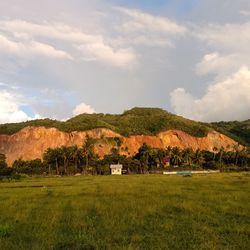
(210, 165)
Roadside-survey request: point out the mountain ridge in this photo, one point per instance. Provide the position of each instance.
(138, 121)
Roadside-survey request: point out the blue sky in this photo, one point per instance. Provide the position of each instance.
(58, 60)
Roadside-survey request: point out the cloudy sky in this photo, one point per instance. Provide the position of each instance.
(62, 58)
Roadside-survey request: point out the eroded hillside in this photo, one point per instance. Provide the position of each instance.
(31, 142)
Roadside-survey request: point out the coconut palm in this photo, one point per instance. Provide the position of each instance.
(76, 155)
(53, 156)
(198, 157)
(143, 153)
(215, 150)
(221, 153)
(187, 155)
(88, 149)
(176, 156)
(66, 155)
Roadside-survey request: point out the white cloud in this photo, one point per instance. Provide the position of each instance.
(10, 109)
(228, 99)
(228, 37)
(245, 12)
(106, 54)
(143, 21)
(83, 108)
(218, 64)
(140, 28)
(29, 49)
(93, 45)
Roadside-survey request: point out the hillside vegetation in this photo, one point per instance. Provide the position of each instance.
(138, 121)
(147, 121)
(239, 131)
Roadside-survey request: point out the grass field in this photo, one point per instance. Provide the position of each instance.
(126, 212)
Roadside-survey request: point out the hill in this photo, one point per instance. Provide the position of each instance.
(239, 131)
(138, 121)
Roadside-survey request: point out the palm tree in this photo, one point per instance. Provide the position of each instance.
(215, 150)
(88, 149)
(243, 156)
(161, 154)
(198, 157)
(176, 156)
(187, 155)
(221, 153)
(76, 156)
(52, 156)
(3, 163)
(143, 154)
(236, 149)
(66, 154)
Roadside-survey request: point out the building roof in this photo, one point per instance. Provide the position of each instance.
(116, 166)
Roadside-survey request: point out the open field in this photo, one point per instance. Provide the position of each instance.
(126, 212)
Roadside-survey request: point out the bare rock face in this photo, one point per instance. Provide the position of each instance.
(31, 142)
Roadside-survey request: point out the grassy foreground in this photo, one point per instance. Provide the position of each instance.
(126, 212)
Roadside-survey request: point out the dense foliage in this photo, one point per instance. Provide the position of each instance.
(147, 121)
(240, 131)
(73, 160)
(4, 170)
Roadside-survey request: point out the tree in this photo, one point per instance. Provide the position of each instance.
(131, 165)
(215, 150)
(3, 163)
(198, 157)
(4, 170)
(35, 166)
(176, 158)
(243, 157)
(88, 149)
(76, 156)
(221, 153)
(53, 157)
(236, 150)
(66, 155)
(187, 155)
(161, 154)
(143, 156)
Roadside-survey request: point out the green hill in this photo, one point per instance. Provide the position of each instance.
(147, 121)
(239, 131)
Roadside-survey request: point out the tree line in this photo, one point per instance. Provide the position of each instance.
(74, 159)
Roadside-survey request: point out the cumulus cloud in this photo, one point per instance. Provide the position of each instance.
(10, 109)
(228, 99)
(230, 46)
(220, 65)
(83, 108)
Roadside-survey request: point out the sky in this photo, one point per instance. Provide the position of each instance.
(62, 58)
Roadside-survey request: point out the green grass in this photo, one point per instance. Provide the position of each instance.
(126, 212)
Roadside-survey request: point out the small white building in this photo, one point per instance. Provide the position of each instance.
(116, 169)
